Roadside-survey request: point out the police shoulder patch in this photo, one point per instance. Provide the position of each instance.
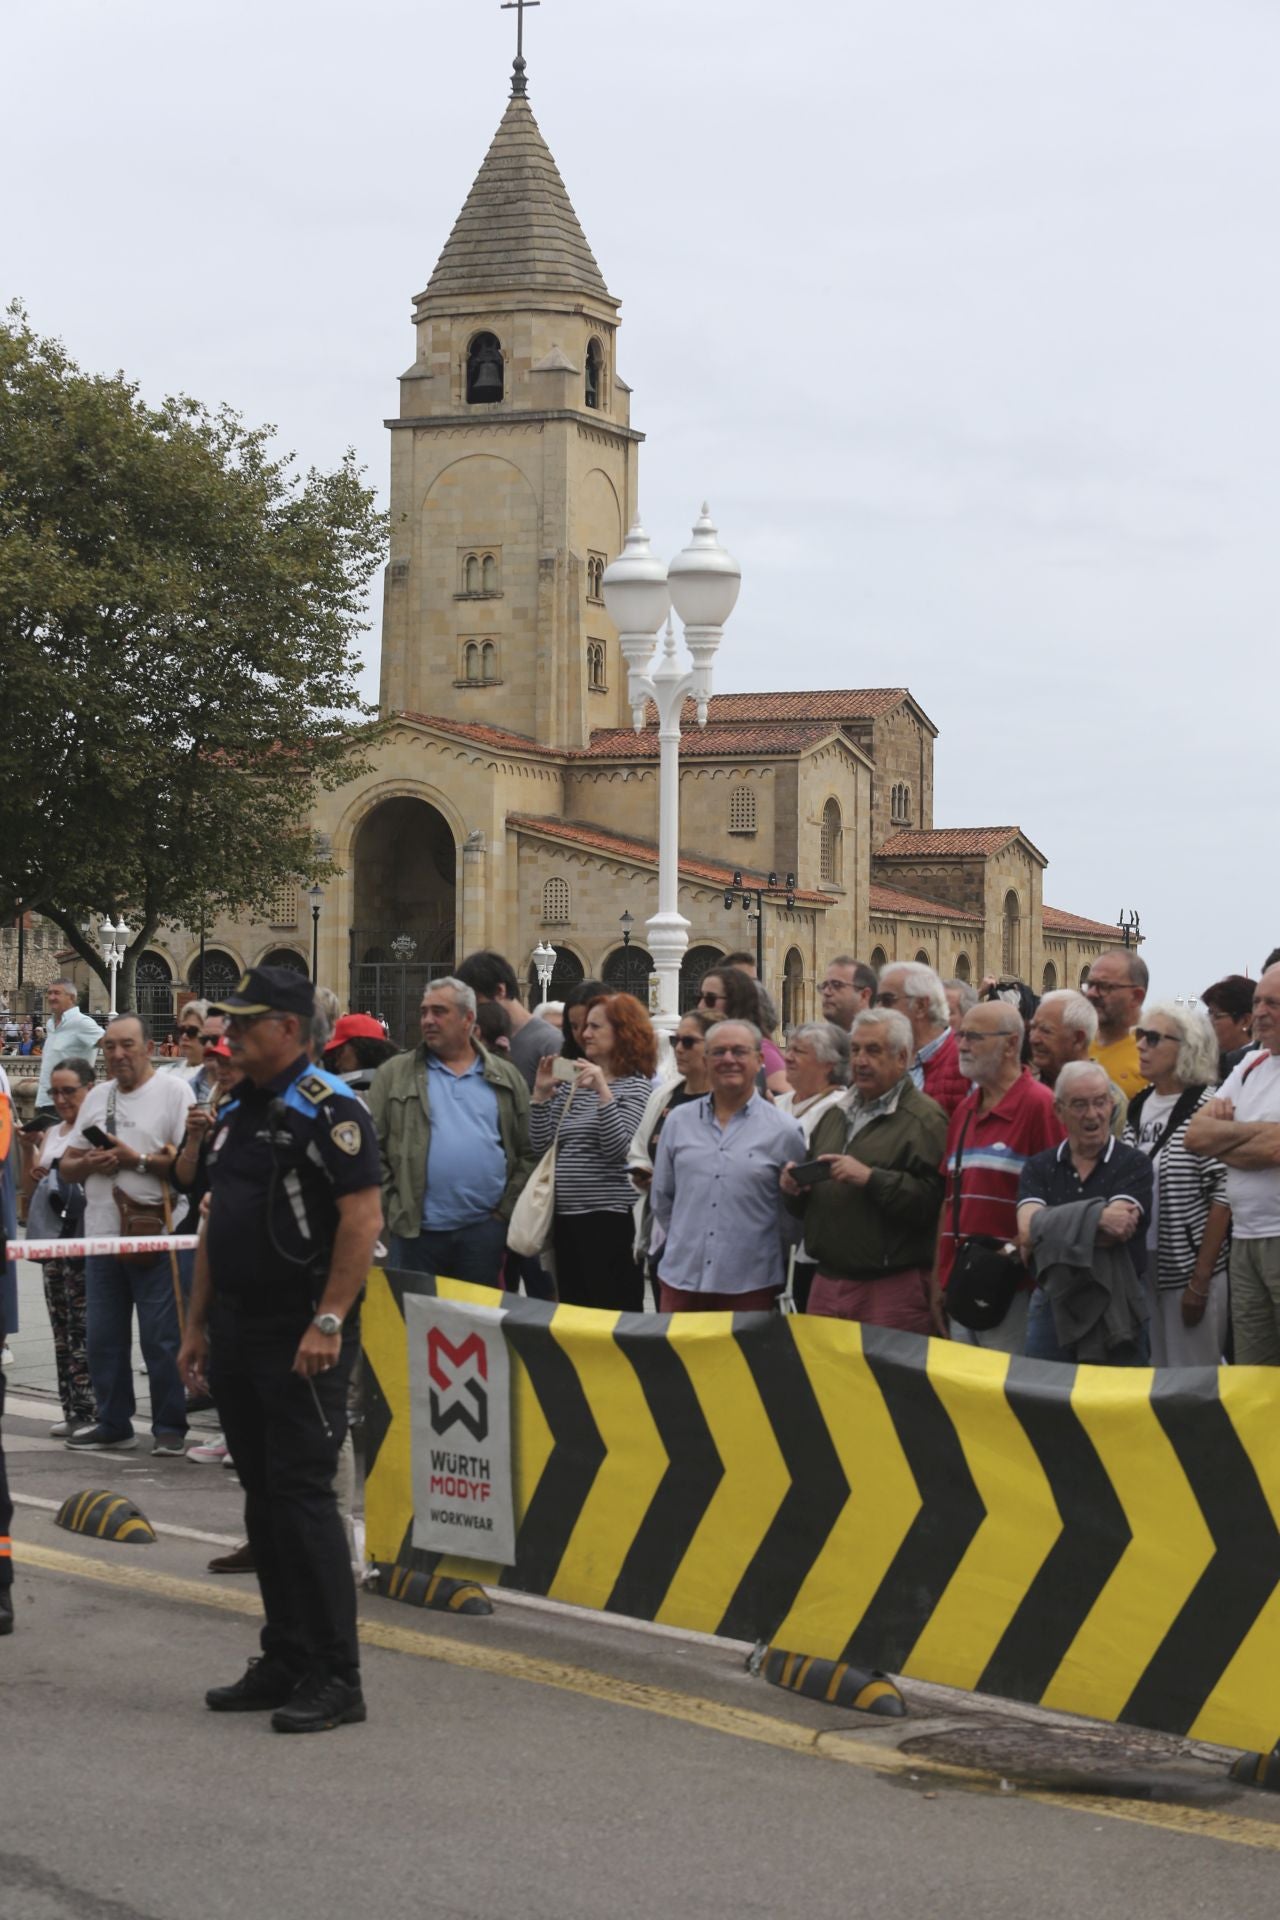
(346, 1136)
(313, 1088)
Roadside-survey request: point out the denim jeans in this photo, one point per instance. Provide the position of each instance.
(465, 1253)
(112, 1291)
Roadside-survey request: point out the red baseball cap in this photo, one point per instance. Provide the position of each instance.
(355, 1026)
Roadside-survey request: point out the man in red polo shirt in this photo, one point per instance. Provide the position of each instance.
(1007, 1116)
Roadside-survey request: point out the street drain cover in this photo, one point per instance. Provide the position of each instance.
(1103, 1759)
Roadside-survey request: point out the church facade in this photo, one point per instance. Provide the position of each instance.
(511, 801)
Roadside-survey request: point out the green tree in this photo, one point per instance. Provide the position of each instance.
(178, 618)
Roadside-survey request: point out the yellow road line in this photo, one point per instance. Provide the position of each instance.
(711, 1716)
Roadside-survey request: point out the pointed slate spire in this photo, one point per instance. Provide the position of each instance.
(517, 229)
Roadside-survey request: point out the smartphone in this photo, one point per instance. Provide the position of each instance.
(40, 1124)
(811, 1173)
(562, 1069)
(97, 1138)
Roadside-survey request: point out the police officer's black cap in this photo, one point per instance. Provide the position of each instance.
(270, 990)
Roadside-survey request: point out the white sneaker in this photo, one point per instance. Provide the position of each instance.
(210, 1452)
(6, 1355)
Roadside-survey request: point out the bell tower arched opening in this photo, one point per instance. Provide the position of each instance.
(405, 864)
(486, 381)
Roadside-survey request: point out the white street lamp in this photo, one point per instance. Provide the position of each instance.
(544, 960)
(702, 584)
(112, 942)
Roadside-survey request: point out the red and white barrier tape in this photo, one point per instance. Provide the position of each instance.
(104, 1246)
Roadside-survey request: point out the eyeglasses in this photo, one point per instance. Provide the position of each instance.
(190, 1033)
(238, 1022)
(1110, 986)
(732, 1053)
(687, 1040)
(885, 1000)
(971, 1036)
(1148, 1037)
(710, 999)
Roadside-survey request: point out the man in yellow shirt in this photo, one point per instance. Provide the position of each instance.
(1116, 989)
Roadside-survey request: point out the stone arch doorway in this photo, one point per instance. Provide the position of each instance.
(792, 988)
(405, 865)
(153, 994)
(627, 970)
(566, 974)
(696, 962)
(214, 976)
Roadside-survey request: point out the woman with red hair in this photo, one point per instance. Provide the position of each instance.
(593, 1123)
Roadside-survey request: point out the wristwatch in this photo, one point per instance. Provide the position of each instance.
(329, 1323)
(143, 1163)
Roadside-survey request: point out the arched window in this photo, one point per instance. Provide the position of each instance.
(595, 577)
(595, 374)
(696, 962)
(879, 959)
(922, 959)
(742, 810)
(595, 665)
(285, 957)
(485, 374)
(220, 975)
(153, 993)
(831, 850)
(792, 988)
(471, 575)
(627, 970)
(1009, 941)
(1049, 984)
(488, 661)
(555, 903)
(471, 661)
(1084, 976)
(963, 969)
(489, 574)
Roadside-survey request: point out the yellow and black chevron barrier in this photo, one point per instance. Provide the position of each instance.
(1098, 1540)
(105, 1516)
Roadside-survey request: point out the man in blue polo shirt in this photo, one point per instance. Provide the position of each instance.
(453, 1126)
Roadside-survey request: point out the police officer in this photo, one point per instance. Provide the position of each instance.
(294, 1213)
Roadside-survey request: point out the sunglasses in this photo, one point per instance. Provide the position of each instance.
(210, 1040)
(688, 1040)
(1150, 1038)
(710, 999)
(190, 1033)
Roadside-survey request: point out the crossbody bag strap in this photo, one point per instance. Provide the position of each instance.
(955, 1191)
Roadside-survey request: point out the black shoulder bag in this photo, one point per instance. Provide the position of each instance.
(986, 1272)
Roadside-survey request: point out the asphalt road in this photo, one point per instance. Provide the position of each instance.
(540, 1763)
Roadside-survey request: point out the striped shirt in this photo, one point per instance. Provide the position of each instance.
(591, 1152)
(997, 1145)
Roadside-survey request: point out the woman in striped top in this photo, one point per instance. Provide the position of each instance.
(595, 1264)
(1190, 1221)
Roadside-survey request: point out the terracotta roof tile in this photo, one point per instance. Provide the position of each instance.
(702, 743)
(482, 735)
(912, 843)
(892, 900)
(856, 703)
(1054, 920)
(597, 839)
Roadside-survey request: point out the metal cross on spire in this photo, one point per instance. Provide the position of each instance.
(518, 87)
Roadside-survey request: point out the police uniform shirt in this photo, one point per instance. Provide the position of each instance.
(298, 1160)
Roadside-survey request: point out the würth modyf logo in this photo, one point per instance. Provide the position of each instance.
(454, 1371)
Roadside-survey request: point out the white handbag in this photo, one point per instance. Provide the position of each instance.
(533, 1216)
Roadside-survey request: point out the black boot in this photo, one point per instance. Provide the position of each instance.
(264, 1684)
(6, 1610)
(321, 1702)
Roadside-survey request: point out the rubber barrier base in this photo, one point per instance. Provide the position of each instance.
(832, 1681)
(105, 1516)
(432, 1590)
(1258, 1770)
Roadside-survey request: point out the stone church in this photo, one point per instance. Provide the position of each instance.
(511, 801)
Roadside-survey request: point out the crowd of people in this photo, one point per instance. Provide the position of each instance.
(1082, 1177)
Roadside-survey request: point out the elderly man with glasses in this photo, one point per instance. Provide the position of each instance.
(916, 991)
(1005, 1119)
(715, 1190)
(1083, 1212)
(69, 1035)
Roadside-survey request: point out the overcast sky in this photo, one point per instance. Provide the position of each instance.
(965, 318)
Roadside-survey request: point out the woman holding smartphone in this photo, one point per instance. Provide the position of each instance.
(593, 1123)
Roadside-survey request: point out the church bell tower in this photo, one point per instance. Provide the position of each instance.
(513, 465)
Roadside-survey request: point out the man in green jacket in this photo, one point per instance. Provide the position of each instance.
(453, 1127)
(871, 1225)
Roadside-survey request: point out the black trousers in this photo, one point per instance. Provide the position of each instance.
(275, 1429)
(594, 1264)
(6, 1502)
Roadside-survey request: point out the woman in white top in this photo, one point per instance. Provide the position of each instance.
(691, 1083)
(817, 1057)
(1188, 1234)
(64, 1279)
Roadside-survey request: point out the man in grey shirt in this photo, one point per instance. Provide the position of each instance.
(491, 976)
(715, 1186)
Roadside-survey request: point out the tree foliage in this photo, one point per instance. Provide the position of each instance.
(178, 618)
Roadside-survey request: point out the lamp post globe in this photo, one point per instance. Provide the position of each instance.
(637, 600)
